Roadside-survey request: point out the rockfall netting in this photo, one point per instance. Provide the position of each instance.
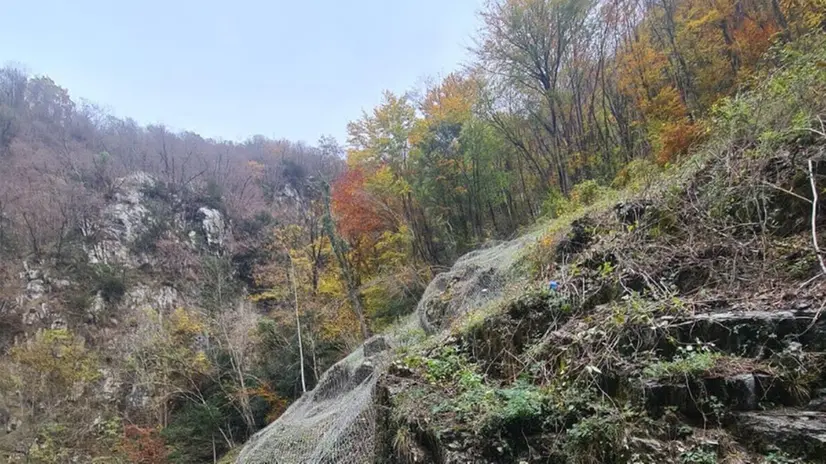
(336, 422)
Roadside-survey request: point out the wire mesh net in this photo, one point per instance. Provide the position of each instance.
(336, 422)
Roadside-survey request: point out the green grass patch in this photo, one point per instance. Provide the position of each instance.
(690, 361)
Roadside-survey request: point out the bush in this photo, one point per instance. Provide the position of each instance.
(521, 405)
(586, 193)
(110, 282)
(598, 438)
(675, 139)
(784, 104)
(196, 428)
(699, 455)
(555, 205)
(143, 445)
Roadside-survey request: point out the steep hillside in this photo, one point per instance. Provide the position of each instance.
(684, 322)
(687, 323)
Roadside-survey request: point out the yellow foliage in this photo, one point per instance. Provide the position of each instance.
(452, 100)
(394, 248)
(58, 357)
(340, 323)
(330, 284)
(185, 324)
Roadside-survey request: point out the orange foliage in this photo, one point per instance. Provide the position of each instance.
(143, 445)
(752, 41)
(676, 138)
(356, 211)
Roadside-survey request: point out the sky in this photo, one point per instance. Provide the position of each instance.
(233, 69)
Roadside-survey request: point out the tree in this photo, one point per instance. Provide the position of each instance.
(345, 266)
(525, 44)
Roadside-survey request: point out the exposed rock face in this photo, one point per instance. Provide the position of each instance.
(138, 399)
(741, 392)
(756, 332)
(214, 227)
(35, 282)
(793, 431)
(163, 298)
(123, 220)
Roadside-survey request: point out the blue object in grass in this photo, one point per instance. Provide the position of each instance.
(553, 286)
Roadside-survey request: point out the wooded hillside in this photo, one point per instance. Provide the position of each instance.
(254, 239)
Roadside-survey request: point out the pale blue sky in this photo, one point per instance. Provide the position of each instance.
(231, 69)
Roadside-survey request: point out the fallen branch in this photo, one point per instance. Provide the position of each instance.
(800, 197)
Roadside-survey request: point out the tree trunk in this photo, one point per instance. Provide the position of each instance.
(777, 11)
(298, 325)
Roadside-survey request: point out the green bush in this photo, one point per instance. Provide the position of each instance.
(586, 193)
(598, 438)
(109, 281)
(698, 455)
(784, 103)
(555, 204)
(519, 404)
(446, 366)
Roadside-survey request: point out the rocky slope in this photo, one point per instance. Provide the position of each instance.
(675, 335)
(107, 296)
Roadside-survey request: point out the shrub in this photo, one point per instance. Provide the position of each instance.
(555, 204)
(599, 438)
(143, 445)
(110, 282)
(783, 105)
(521, 404)
(699, 455)
(677, 138)
(445, 366)
(586, 193)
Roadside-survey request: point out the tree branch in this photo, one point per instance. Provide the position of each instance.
(814, 218)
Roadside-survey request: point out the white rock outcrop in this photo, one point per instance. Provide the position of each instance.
(123, 220)
(214, 227)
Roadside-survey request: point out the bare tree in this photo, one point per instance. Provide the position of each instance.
(525, 45)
